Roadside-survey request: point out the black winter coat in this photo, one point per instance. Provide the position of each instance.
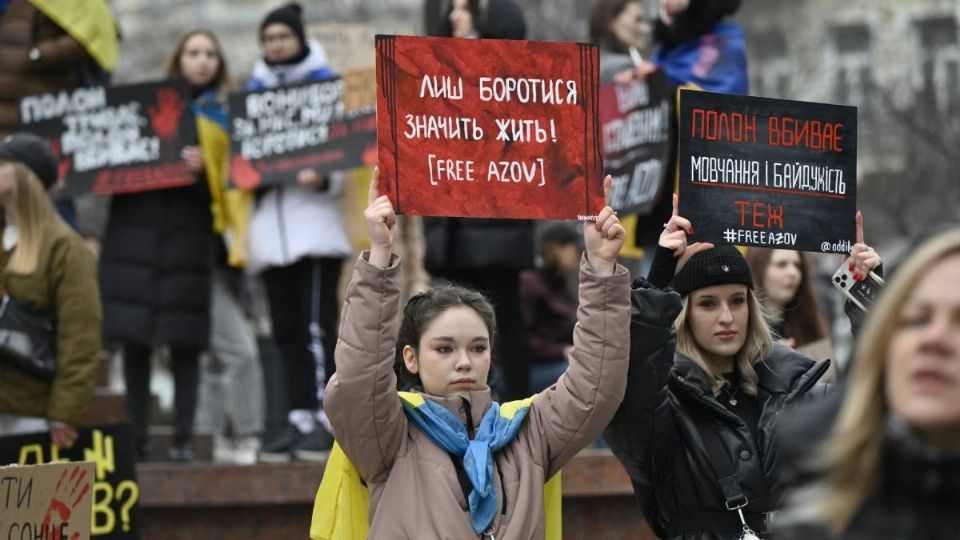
(669, 421)
(155, 267)
(458, 245)
(918, 498)
(697, 20)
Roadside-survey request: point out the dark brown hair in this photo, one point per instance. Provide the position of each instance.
(422, 309)
(221, 81)
(602, 13)
(803, 318)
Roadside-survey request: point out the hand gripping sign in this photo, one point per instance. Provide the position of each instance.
(489, 128)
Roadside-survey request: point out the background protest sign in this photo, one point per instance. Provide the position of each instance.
(115, 491)
(121, 139)
(635, 120)
(768, 172)
(46, 501)
(489, 128)
(276, 133)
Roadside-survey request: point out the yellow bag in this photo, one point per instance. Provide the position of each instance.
(341, 509)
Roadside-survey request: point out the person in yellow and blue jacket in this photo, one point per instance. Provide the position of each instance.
(159, 248)
(443, 460)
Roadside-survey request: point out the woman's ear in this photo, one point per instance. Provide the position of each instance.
(410, 359)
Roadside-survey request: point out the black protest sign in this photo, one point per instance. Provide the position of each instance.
(768, 172)
(635, 120)
(277, 133)
(122, 139)
(115, 488)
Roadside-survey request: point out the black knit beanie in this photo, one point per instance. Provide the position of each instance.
(290, 15)
(721, 265)
(34, 152)
(501, 19)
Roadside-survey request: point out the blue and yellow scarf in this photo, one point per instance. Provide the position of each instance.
(341, 508)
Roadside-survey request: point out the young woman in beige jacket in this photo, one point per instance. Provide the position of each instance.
(445, 461)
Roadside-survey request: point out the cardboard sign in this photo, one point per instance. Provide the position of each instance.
(489, 128)
(347, 44)
(768, 172)
(278, 132)
(46, 501)
(122, 139)
(112, 475)
(635, 119)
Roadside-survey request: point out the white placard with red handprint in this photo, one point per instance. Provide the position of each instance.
(47, 501)
(122, 139)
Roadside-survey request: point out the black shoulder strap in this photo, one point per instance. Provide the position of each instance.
(725, 468)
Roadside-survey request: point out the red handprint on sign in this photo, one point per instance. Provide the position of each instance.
(67, 496)
(244, 175)
(165, 116)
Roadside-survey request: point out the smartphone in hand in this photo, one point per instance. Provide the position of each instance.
(861, 293)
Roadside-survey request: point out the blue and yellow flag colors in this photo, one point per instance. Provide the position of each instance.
(716, 62)
(91, 23)
(230, 208)
(341, 508)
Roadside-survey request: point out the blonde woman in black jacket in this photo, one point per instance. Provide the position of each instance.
(697, 427)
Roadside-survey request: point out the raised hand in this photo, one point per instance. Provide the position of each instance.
(640, 72)
(674, 7)
(674, 236)
(381, 222)
(603, 238)
(863, 258)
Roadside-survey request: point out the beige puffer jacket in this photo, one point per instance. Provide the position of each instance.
(414, 490)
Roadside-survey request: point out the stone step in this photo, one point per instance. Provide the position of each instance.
(160, 439)
(106, 407)
(183, 502)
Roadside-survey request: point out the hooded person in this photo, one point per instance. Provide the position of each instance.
(300, 268)
(487, 254)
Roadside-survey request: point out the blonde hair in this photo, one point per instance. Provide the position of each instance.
(852, 453)
(33, 208)
(757, 346)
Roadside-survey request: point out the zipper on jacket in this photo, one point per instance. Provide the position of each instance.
(284, 248)
(469, 412)
(503, 490)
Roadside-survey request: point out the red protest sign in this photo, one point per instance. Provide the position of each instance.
(489, 128)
